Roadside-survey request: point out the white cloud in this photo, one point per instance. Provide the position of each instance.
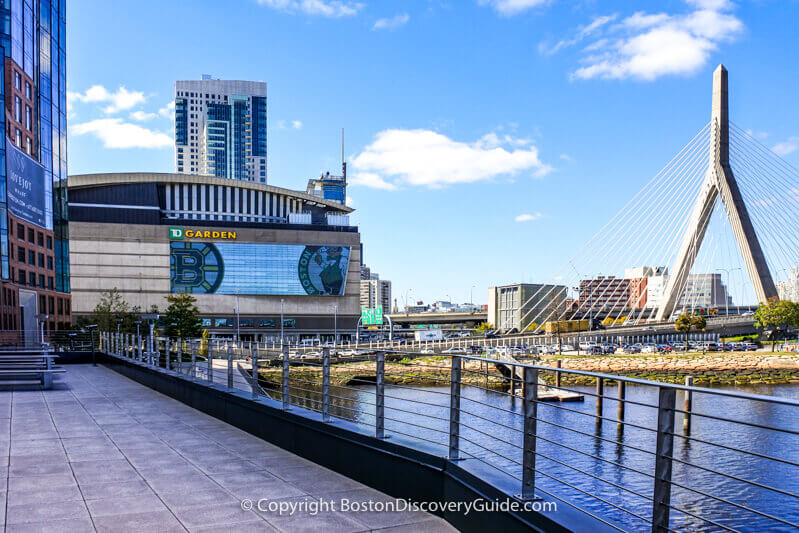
(582, 33)
(527, 217)
(426, 158)
(322, 8)
(645, 46)
(786, 147)
(391, 23)
(114, 133)
(509, 8)
(296, 124)
(142, 116)
(120, 100)
(168, 111)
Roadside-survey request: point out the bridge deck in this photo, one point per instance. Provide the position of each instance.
(99, 452)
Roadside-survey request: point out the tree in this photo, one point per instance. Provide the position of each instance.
(483, 328)
(113, 310)
(685, 323)
(182, 316)
(776, 317)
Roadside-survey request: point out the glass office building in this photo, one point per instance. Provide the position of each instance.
(220, 129)
(34, 252)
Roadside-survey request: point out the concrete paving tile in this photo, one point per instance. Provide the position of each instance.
(226, 513)
(104, 471)
(146, 522)
(39, 482)
(307, 520)
(178, 500)
(97, 491)
(56, 510)
(44, 495)
(318, 480)
(38, 468)
(73, 525)
(431, 525)
(111, 506)
(257, 526)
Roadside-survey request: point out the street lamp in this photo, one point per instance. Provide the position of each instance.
(42, 319)
(281, 321)
(471, 299)
(335, 324)
(727, 291)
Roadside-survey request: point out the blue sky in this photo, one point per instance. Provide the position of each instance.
(487, 139)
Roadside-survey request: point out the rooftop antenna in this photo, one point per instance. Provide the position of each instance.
(343, 163)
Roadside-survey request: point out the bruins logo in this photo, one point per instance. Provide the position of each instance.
(195, 267)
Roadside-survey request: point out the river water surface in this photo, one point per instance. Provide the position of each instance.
(577, 456)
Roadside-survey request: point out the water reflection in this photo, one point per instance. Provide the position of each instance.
(576, 448)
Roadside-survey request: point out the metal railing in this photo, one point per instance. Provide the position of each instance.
(631, 453)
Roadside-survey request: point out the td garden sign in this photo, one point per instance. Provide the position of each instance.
(179, 234)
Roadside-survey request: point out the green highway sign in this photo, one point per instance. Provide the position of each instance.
(371, 316)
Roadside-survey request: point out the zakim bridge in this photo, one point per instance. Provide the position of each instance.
(719, 224)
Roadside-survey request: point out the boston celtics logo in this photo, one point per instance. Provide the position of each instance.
(195, 267)
(323, 269)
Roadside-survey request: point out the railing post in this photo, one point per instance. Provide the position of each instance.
(138, 347)
(285, 391)
(600, 392)
(455, 409)
(229, 366)
(530, 393)
(180, 354)
(326, 385)
(380, 396)
(254, 360)
(622, 396)
(689, 396)
(168, 354)
(210, 364)
(558, 364)
(663, 453)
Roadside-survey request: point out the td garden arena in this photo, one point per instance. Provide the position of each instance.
(252, 254)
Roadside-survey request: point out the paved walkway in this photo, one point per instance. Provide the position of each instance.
(100, 452)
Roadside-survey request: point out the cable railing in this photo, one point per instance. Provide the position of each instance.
(631, 453)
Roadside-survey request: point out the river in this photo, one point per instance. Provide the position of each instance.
(491, 424)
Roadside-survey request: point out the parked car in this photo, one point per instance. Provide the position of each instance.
(427, 351)
(567, 348)
(750, 346)
(632, 348)
(664, 348)
(679, 346)
(455, 350)
(710, 347)
(649, 348)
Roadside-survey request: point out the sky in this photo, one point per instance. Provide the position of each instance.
(487, 140)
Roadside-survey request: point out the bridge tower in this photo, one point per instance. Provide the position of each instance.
(719, 182)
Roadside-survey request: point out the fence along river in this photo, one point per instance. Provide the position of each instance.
(734, 467)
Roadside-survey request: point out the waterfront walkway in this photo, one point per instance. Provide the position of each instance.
(100, 452)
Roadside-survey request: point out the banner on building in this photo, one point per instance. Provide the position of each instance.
(26, 187)
(256, 268)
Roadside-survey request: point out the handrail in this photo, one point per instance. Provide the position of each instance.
(546, 449)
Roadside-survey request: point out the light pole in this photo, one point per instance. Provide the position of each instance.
(238, 319)
(335, 324)
(727, 291)
(281, 321)
(42, 318)
(471, 294)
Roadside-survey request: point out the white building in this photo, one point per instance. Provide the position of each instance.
(375, 292)
(789, 289)
(220, 128)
